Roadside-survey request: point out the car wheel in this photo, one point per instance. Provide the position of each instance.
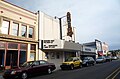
(87, 64)
(72, 67)
(93, 64)
(24, 75)
(80, 65)
(49, 71)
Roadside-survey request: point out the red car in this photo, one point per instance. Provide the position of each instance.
(28, 69)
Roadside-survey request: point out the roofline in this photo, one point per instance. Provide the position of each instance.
(18, 6)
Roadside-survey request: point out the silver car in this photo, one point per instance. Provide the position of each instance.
(100, 59)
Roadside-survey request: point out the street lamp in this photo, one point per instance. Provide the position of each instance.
(60, 22)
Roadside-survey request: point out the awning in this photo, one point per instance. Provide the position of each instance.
(60, 45)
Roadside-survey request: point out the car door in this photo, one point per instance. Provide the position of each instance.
(43, 66)
(90, 60)
(76, 62)
(33, 69)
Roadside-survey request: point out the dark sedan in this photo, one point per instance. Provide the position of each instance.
(88, 61)
(29, 68)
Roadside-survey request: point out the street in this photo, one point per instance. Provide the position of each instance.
(99, 71)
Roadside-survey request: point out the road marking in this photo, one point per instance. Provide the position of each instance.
(112, 73)
(116, 75)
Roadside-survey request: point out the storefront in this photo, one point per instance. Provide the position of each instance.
(13, 54)
(88, 52)
(57, 51)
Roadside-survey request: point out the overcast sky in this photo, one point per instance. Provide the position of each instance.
(93, 19)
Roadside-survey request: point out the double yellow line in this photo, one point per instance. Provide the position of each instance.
(113, 74)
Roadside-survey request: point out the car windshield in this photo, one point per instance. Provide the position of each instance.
(86, 58)
(69, 59)
(26, 64)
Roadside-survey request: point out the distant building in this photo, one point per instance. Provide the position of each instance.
(88, 51)
(98, 46)
(105, 48)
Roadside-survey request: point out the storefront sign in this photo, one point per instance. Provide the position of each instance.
(51, 44)
(88, 49)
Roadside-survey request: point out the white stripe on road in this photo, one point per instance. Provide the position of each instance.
(113, 73)
(116, 75)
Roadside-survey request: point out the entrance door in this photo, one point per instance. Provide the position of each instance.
(12, 58)
(22, 57)
(2, 57)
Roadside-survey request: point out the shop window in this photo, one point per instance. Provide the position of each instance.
(46, 55)
(2, 52)
(31, 32)
(2, 45)
(23, 57)
(5, 27)
(23, 53)
(23, 46)
(33, 47)
(15, 29)
(12, 46)
(52, 55)
(33, 52)
(23, 30)
(58, 55)
(32, 56)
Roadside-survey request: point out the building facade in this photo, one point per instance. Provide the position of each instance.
(18, 36)
(97, 45)
(105, 48)
(88, 52)
(51, 47)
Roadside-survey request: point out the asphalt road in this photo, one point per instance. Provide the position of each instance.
(99, 71)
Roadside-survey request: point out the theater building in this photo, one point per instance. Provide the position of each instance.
(18, 36)
(51, 47)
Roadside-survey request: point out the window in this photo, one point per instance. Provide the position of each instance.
(58, 55)
(33, 47)
(33, 52)
(23, 46)
(15, 29)
(12, 46)
(23, 30)
(30, 32)
(2, 45)
(36, 63)
(43, 62)
(5, 27)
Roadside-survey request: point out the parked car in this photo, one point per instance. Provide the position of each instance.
(88, 61)
(71, 63)
(100, 59)
(28, 69)
(108, 58)
(114, 58)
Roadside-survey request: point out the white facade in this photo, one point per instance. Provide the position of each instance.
(48, 27)
(105, 48)
(51, 47)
